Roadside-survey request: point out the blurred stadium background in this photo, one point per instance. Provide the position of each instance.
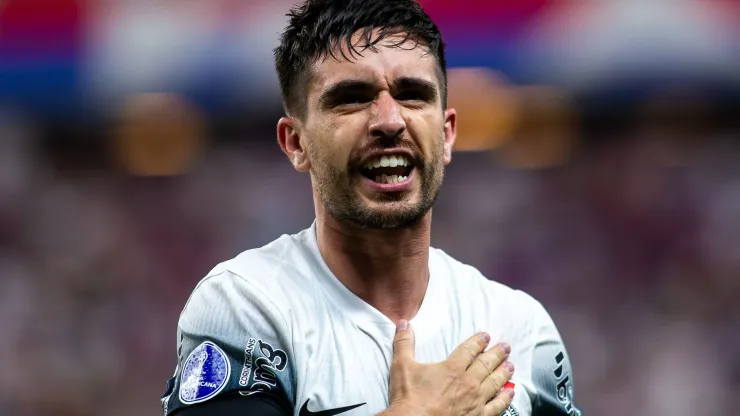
(598, 169)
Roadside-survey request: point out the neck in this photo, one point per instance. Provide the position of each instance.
(388, 268)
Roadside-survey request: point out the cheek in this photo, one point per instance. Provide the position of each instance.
(350, 130)
(429, 132)
(336, 141)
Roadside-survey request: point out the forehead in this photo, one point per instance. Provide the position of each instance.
(381, 65)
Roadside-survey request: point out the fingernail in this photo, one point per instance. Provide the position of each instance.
(509, 366)
(402, 325)
(511, 393)
(486, 337)
(505, 347)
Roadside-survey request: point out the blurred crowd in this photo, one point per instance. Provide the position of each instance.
(112, 210)
(633, 246)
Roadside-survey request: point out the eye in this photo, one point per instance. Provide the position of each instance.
(411, 95)
(353, 98)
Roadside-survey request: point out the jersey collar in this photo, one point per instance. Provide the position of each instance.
(432, 313)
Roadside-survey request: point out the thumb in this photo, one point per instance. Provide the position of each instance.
(403, 342)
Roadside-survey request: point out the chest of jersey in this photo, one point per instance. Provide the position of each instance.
(348, 368)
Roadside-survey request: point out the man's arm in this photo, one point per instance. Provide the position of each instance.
(233, 353)
(552, 374)
(237, 405)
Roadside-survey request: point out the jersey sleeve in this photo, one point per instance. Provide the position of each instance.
(231, 340)
(552, 374)
(235, 404)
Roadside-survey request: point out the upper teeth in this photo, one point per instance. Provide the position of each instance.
(386, 161)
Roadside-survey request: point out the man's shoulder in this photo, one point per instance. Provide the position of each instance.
(236, 331)
(275, 257)
(269, 271)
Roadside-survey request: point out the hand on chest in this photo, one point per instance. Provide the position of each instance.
(352, 374)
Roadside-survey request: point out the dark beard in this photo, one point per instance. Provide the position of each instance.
(337, 193)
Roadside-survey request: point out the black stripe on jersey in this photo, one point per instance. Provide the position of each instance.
(237, 405)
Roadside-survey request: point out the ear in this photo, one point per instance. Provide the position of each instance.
(289, 138)
(450, 131)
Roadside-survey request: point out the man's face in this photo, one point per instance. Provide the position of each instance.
(376, 135)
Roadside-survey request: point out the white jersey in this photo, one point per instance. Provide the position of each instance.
(275, 319)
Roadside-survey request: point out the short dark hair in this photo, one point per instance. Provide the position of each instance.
(318, 26)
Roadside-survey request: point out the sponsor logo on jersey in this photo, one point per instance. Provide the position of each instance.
(247, 368)
(510, 411)
(564, 387)
(262, 362)
(329, 412)
(204, 374)
(271, 361)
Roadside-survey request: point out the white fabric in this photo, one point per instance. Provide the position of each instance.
(339, 348)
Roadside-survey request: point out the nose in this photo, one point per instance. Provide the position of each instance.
(387, 121)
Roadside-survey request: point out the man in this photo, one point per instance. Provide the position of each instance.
(357, 315)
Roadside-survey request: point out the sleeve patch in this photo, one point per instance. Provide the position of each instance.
(262, 362)
(204, 374)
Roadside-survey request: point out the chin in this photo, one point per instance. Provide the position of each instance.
(386, 205)
(380, 210)
(391, 215)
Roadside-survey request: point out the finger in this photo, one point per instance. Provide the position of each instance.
(403, 342)
(484, 364)
(493, 384)
(466, 352)
(499, 403)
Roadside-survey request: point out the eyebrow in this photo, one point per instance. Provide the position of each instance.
(331, 94)
(427, 88)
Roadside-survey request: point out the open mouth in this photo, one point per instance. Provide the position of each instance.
(387, 169)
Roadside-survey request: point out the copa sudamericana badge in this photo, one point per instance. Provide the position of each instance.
(204, 374)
